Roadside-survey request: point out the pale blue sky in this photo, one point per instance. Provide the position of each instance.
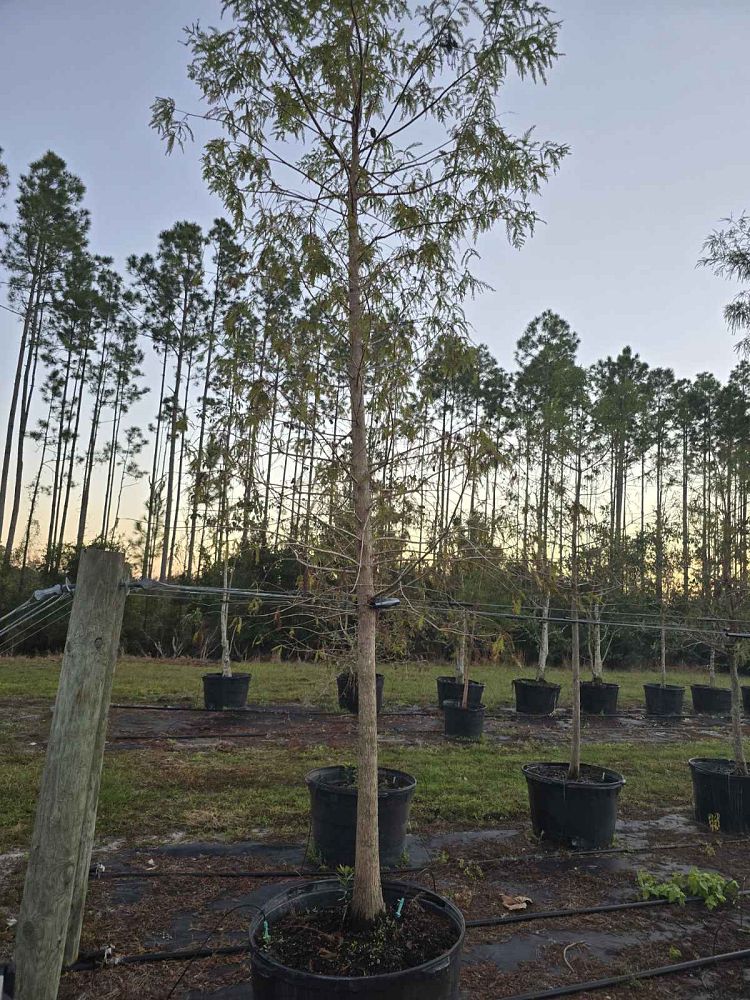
(651, 94)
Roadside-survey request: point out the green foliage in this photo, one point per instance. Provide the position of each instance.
(711, 887)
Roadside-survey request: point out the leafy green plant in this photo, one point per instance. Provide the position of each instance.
(711, 887)
(345, 876)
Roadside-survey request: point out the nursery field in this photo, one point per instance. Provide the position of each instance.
(188, 795)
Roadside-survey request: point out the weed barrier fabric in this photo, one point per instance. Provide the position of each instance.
(628, 977)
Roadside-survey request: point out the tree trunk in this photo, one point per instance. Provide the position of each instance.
(29, 378)
(597, 667)
(574, 772)
(541, 668)
(167, 536)
(29, 324)
(737, 743)
(461, 653)
(367, 893)
(226, 662)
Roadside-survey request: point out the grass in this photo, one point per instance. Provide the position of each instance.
(254, 791)
(152, 681)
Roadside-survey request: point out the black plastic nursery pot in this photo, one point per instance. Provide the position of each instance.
(663, 699)
(574, 813)
(349, 691)
(433, 980)
(746, 699)
(449, 689)
(720, 796)
(535, 697)
(463, 723)
(709, 700)
(599, 698)
(333, 814)
(221, 692)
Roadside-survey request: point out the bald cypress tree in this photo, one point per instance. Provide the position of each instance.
(324, 112)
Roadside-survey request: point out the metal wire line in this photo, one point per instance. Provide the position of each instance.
(55, 614)
(33, 613)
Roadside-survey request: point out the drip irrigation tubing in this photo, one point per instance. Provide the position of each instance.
(101, 959)
(269, 710)
(628, 977)
(98, 959)
(97, 873)
(582, 911)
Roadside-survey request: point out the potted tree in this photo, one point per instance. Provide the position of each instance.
(225, 689)
(721, 786)
(708, 699)
(663, 699)
(574, 803)
(319, 111)
(598, 697)
(348, 691)
(464, 718)
(452, 688)
(537, 695)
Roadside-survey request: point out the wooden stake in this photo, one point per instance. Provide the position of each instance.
(56, 877)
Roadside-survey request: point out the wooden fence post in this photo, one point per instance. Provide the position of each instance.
(55, 887)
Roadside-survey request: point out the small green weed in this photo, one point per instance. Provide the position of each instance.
(711, 887)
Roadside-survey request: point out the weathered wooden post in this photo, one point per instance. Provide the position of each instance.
(49, 924)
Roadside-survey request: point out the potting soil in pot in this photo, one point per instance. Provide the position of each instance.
(319, 941)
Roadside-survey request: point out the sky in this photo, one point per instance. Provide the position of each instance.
(651, 95)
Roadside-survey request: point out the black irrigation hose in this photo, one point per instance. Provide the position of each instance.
(281, 873)
(628, 977)
(291, 873)
(266, 710)
(101, 959)
(98, 959)
(638, 904)
(504, 713)
(165, 737)
(604, 851)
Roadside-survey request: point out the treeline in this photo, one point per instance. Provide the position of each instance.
(242, 457)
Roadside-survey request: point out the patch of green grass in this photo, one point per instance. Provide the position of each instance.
(155, 681)
(251, 792)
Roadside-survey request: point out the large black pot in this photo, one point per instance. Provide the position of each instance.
(709, 700)
(333, 815)
(746, 699)
(664, 700)
(718, 792)
(463, 723)
(436, 979)
(535, 697)
(449, 689)
(598, 698)
(349, 691)
(221, 692)
(574, 813)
